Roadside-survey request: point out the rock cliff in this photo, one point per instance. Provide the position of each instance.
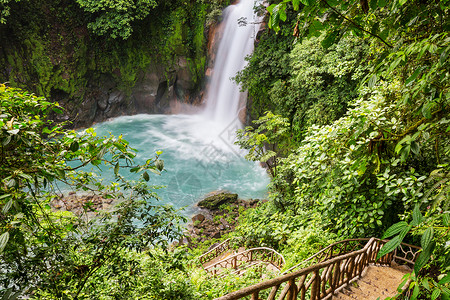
(46, 47)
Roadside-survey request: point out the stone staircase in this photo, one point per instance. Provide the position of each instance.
(344, 270)
(222, 258)
(377, 282)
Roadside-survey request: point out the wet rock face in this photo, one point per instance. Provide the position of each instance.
(154, 92)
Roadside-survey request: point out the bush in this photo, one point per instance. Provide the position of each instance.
(54, 254)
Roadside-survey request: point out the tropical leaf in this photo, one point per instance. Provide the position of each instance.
(3, 241)
(389, 246)
(445, 280)
(372, 81)
(424, 257)
(394, 229)
(436, 293)
(417, 216)
(426, 237)
(413, 77)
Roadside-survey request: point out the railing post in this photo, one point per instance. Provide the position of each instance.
(335, 276)
(292, 295)
(315, 289)
(255, 296)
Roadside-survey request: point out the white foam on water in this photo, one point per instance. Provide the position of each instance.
(199, 151)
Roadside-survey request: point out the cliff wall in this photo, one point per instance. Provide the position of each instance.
(47, 48)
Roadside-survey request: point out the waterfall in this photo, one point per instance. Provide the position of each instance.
(223, 97)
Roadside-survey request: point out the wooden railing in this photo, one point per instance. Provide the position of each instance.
(215, 252)
(242, 259)
(322, 280)
(333, 250)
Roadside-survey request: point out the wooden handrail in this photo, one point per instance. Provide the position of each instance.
(237, 260)
(214, 252)
(325, 278)
(329, 252)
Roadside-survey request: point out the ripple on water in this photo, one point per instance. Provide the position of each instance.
(199, 157)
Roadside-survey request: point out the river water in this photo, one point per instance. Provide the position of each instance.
(198, 150)
(198, 153)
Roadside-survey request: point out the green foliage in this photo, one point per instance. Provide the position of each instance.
(346, 173)
(154, 274)
(57, 254)
(269, 138)
(296, 236)
(432, 227)
(5, 10)
(115, 18)
(303, 81)
(401, 44)
(368, 169)
(269, 63)
(322, 82)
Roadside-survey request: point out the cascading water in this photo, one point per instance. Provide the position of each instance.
(241, 25)
(198, 150)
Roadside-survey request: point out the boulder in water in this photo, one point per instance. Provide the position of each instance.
(214, 201)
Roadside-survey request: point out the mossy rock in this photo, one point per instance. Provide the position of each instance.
(214, 201)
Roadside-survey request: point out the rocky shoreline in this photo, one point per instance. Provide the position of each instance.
(219, 213)
(79, 204)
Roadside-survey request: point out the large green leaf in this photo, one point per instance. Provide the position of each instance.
(282, 12)
(424, 257)
(405, 231)
(415, 292)
(7, 206)
(417, 216)
(426, 237)
(394, 229)
(445, 280)
(413, 77)
(274, 17)
(426, 110)
(389, 246)
(446, 219)
(3, 241)
(436, 293)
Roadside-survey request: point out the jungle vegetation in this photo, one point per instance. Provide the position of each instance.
(350, 101)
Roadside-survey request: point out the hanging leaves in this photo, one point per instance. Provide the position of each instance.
(3, 241)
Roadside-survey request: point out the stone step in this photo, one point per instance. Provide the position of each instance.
(376, 282)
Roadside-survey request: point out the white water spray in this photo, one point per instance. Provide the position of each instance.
(237, 42)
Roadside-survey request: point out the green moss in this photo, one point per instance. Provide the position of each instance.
(55, 52)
